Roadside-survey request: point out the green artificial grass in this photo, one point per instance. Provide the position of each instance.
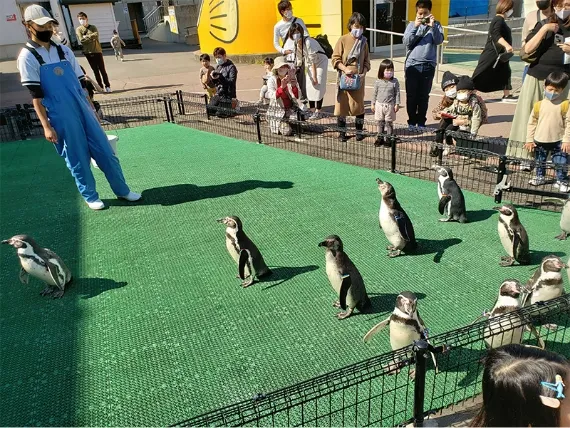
(156, 328)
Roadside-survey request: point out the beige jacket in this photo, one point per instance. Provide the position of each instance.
(548, 126)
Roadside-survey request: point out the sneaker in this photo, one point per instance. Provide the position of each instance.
(96, 205)
(509, 99)
(537, 181)
(122, 59)
(131, 197)
(315, 116)
(562, 186)
(107, 89)
(526, 166)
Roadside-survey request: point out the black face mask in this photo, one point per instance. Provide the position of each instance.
(543, 4)
(43, 36)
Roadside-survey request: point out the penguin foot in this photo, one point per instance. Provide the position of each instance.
(57, 294)
(507, 261)
(551, 327)
(47, 291)
(412, 374)
(445, 219)
(394, 253)
(562, 236)
(247, 282)
(344, 315)
(336, 304)
(390, 248)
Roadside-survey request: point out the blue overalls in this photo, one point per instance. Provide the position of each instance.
(80, 136)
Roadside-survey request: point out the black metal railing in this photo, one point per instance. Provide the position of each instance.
(380, 391)
(479, 163)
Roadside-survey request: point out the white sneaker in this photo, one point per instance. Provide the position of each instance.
(122, 59)
(315, 116)
(562, 187)
(131, 197)
(96, 205)
(107, 89)
(537, 181)
(526, 166)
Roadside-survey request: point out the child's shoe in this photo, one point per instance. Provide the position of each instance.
(562, 186)
(537, 181)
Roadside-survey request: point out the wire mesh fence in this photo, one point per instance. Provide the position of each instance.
(490, 166)
(397, 388)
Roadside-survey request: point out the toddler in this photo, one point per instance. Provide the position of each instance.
(206, 75)
(385, 101)
(267, 66)
(549, 131)
(117, 44)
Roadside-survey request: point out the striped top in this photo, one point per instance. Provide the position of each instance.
(386, 91)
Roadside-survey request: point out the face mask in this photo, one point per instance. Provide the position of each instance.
(550, 95)
(219, 61)
(543, 4)
(288, 14)
(296, 36)
(357, 32)
(462, 96)
(451, 93)
(82, 21)
(44, 36)
(563, 14)
(508, 13)
(388, 74)
(282, 72)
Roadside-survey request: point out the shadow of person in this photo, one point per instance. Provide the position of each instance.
(480, 215)
(182, 193)
(431, 246)
(281, 274)
(86, 288)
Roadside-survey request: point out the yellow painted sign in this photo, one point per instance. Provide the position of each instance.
(172, 20)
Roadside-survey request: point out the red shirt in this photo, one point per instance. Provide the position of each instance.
(280, 93)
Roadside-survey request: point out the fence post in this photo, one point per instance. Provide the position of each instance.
(299, 117)
(420, 349)
(392, 49)
(165, 100)
(393, 153)
(501, 171)
(170, 110)
(257, 120)
(206, 102)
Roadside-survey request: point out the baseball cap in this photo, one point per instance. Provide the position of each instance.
(38, 14)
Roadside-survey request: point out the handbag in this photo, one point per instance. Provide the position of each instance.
(501, 57)
(532, 57)
(350, 82)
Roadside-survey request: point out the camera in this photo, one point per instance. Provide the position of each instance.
(425, 21)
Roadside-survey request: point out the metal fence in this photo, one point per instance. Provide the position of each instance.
(379, 391)
(480, 164)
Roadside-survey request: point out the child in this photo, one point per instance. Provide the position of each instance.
(267, 66)
(116, 42)
(91, 87)
(205, 75)
(385, 101)
(549, 131)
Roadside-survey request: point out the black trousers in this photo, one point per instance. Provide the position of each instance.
(358, 122)
(418, 86)
(318, 104)
(225, 105)
(98, 66)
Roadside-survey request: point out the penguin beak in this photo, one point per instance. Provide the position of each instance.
(6, 241)
(322, 244)
(379, 181)
(220, 220)
(498, 209)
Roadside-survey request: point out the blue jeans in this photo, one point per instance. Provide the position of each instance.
(559, 159)
(419, 78)
(525, 71)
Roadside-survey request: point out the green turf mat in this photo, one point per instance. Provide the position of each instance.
(156, 329)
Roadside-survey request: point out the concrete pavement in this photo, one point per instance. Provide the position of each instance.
(162, 67)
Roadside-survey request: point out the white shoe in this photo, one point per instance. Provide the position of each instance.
(537, 181)
(562, 187)
(122, 59)
(96, 205)
(131, 197)
(107, 89)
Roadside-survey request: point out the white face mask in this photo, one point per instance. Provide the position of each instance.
(296, 36)
(451, 93)
(288, 14)
(508, 13)
(219, 61)
(82, 21)
(563, 14)
(357, 32)
(282, 71)
(462, 96)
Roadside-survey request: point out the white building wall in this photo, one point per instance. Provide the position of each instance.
(12, 33)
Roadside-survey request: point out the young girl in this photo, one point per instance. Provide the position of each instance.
(267, 66)
(521, 388)
(385, 101)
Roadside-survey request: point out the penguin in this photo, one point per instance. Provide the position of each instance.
(451, 199)
(513, 236)
(344, 277)
(395, 222)
(42, 263)
(500, 332)
(244, 252)
(546, 283)
(405, 323)
(564, 218)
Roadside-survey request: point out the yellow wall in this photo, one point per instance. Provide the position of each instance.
(440, 10)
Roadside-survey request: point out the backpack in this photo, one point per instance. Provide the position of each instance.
(484, 113)
(323, 40)
(563, 108)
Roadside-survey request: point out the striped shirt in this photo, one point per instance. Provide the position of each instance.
(386, 91)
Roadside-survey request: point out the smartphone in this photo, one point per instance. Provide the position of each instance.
(558, 38)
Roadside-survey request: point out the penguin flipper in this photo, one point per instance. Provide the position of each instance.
(56, 274)
(24, 276)
(243, 261)
(345, 285)
(376, 329)
(403, 225)
(443, 202)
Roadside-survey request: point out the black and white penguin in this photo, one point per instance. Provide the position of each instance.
(513, 236)
(42, 263)
(405, 323)
(500, 331)
(564, 218)
(244, 252)
(344, 277)
(394, 221)
(451, 199)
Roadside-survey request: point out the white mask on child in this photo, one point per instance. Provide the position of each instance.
(451, 93)
(296, 36)
(462, 96)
